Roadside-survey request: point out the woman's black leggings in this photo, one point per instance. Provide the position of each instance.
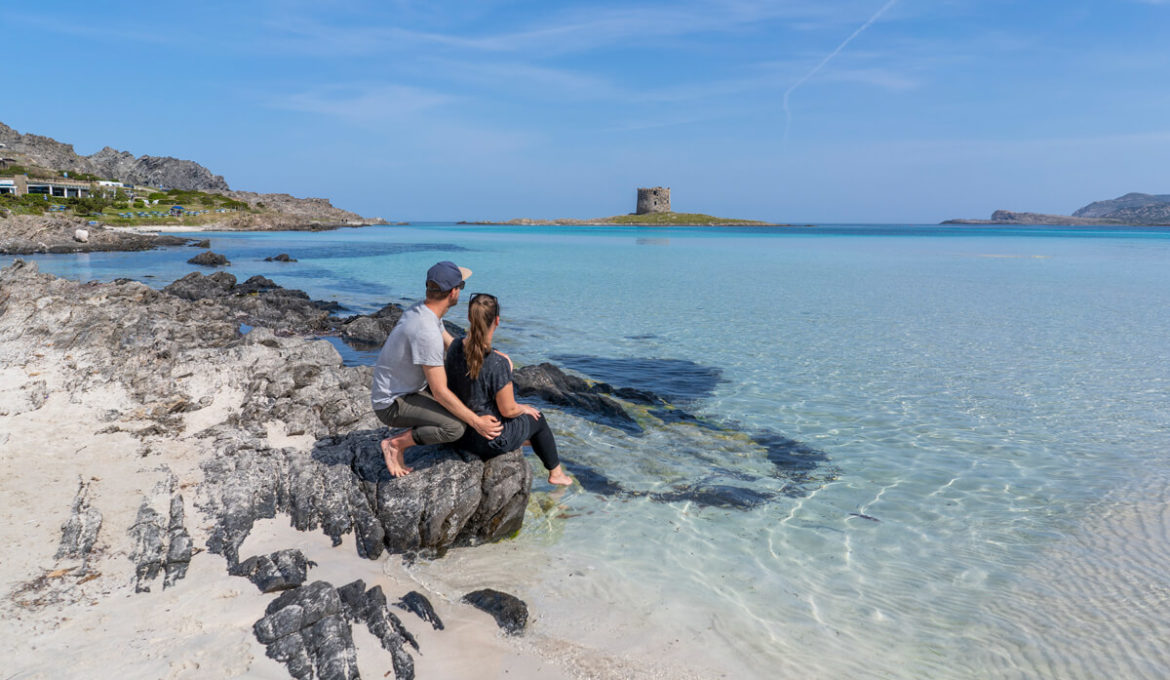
(516, 432)
(543, 443)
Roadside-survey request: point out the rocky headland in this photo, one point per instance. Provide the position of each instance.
(45, 157)
(1133, 209)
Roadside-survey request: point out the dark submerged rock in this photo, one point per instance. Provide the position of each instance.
(418, 603)
(209, 259)
(509, 611)
(283, 257)
(715, 495)
(653, 381)
(205, 244)
(276, 571)
(558, 388)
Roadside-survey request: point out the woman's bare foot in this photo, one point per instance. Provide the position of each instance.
(395, 462)
(557, 476)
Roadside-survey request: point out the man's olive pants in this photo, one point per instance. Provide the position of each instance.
(430, 423)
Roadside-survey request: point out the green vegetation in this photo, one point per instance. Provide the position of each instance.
(682, 219)
(32, 171)
(119, 211)
(29, 204)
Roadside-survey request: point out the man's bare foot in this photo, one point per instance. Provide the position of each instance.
(395, 462)
(557, 476)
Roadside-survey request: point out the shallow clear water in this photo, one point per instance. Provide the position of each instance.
(968, 428)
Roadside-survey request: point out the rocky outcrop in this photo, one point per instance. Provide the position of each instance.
(309, 629)
(209, 259)
(371, 330)
(80, 531)
(161, 541)
(292, 212)
(451, 498)
(155, 171)
(276, 571)
(369, 607)
(259, 301)
(28, 234)
(306, 630)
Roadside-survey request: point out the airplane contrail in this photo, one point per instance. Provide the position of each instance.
(826, 60)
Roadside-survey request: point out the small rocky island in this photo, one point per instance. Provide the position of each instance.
(653, 210)
(1132, 209)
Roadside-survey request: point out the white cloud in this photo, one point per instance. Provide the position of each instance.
(363, 103)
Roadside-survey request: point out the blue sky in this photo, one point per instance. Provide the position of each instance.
(789, 110)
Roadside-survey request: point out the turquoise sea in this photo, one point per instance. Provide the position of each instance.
(916, 452)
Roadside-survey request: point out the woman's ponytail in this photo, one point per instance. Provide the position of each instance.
(482, 312)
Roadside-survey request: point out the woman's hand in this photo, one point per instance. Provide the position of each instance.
(530, 410)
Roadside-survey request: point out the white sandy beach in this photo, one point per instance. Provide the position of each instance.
(57, 624)
(165, 228)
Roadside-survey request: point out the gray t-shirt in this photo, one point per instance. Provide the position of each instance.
(416, 341)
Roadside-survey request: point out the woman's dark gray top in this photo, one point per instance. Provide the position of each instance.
(479, 395)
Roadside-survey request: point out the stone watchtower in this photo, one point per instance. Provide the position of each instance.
(656, 200)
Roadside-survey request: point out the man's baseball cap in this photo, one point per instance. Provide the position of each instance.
(445, 275)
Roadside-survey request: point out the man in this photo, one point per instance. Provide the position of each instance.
(410, 383)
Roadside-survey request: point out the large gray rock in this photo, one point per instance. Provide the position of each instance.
(451, 497)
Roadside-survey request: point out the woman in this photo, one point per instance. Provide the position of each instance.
(482, 379)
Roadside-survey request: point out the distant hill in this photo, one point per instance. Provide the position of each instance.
(1139, 208)
(164, 171)
(1131, 209)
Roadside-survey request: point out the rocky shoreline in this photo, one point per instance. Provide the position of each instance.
(29, 234)
(219, 430)
(161, 447)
